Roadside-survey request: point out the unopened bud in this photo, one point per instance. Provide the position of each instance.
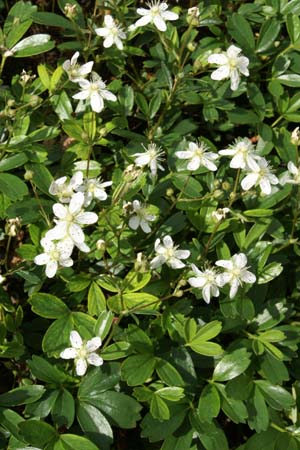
(178, 293)
(169, 192)
(101, 245)
(70, 10)
(191, 46)
(295, 137)
(12, 227)
(2, 279)
(193, 16)
(226, 186)
(141, 263)
(28, 175)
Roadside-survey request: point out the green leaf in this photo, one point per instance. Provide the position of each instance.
(267, 35)
(189, 187)
(42, 407)
(211, 437)
(206, 348)
(38, 433)
(241, 31)
(116, 351)
(32, 45)
(94, 425)
(156, 430)
(52, 20)
(63, 411)
(103, 324)
(209, 403)
(264, 440)
(137, 369)
(290, 79)
(134, 281)
(287, 442)
(232, 365)
(208, 331)
(172, 393)
(158, 408)
(44, 75)
(111, 403)
(258, 412)
(168, 373)
(293, 27)
(57, 337)
(48, 306)
(139, 340)
(13, 161)
(45, 371)
(276, 396)
(182, 442)
(10, 420)
(62, 105)
(72, 441)
(99, 380)
(234, 409)
(17, 32)
(22, 395)
(270, 272)
(274, 370)
(243, 116)
(12, 186)
(96, 300)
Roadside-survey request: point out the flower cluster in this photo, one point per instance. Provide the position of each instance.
(94, 90)
(257, 169)
(210, 280)
(70, 217)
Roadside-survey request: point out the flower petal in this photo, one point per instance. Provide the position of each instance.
(221, 73)
(69, 353)
(95, 360)
(93, 344)
(81, 366)
(51, 268)
(87, 218)
(75, 339)
(159, 23)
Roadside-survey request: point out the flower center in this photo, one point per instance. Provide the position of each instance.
(232, 63)
(94, 87)
(169, 253)
(82, 352)
(54, 254)
(236, 272)
(155, 10)
(199, 151)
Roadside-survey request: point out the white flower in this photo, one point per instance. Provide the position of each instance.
(231, 65)
(69, 221)
(199, 156)
(168, 253)
(76, 72)
(292, 176)
(235, 273)
(260, 175)
(140, 217)
(65, 190)
(93, 188)
(242, 153)
(206, 280)
(95, 91)
(82, 352)
(55, 255)
(112, 33)
(219, 214)
(156, 14)
(151, 158)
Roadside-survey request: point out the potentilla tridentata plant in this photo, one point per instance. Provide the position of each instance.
(150, 210)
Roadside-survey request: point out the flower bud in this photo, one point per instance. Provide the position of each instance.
(191, 46)
(28, 175)
(141, 263)
(295, 137)
(178, 293)
(169, 192)
(70, 10)
(101, 245)
(12, 226)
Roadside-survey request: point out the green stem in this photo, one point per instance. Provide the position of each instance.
(2, 64)
(276, 121)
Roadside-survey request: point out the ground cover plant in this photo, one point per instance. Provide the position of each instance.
(149, 201)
